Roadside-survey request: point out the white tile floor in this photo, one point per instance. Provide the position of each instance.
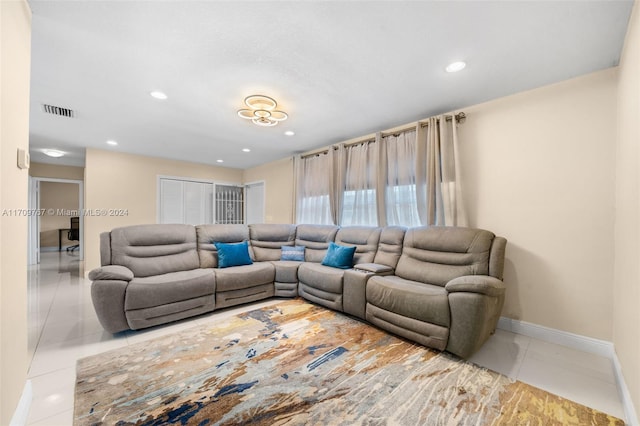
(63, 328)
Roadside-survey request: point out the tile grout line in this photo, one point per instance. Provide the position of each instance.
(524, 357)
(46, 320)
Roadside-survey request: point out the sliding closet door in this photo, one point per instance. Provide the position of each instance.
(184, 201)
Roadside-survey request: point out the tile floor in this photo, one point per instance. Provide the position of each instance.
(63, 328)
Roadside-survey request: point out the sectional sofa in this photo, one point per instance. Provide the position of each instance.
(438, 286)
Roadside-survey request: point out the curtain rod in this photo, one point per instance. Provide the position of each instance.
(460, 118)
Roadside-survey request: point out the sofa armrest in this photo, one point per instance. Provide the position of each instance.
(376, 268)
(475, 304)
(111, 272)
(481, 284)
(108, 300)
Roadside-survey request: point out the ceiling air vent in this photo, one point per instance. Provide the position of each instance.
(56, 110)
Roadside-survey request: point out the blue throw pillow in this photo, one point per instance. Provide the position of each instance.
(233, 254)
(293, 253)
(339, 256)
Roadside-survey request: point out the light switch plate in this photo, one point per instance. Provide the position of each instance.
(23, 159)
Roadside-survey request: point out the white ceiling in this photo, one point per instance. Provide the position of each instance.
(339, 69)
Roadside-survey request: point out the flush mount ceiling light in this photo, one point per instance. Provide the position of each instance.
(455, 66)
(112, 142)
(262, 111)
(53, 153)
(289, 133)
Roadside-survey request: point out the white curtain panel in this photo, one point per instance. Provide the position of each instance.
(313, 189)
(338, 165)
(409, 179)
(438, 189)
(359, 201)
(400, 189)
(452, 202)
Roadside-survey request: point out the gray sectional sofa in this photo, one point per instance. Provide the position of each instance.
(438, 286)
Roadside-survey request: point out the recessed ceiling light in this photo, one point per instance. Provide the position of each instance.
(219, 161)
(53, 153)
(112, 143)
(246, 150)
(158, 95)
(455, 66)
(289, 133)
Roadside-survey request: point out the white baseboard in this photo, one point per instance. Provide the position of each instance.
(50, 249)
(559, 337)
(22, 410)
(581, 343)
(47, 249)
(627, 402)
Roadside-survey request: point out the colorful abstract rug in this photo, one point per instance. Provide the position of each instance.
(300, 364)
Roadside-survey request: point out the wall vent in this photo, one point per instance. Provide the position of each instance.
(56, 110)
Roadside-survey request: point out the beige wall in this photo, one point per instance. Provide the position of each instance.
(124, 181)
(15, 54)
(56, 171)
(278, 178)
(626, 290)
(57, 196)
(538, 169)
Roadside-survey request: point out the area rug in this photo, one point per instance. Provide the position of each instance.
(300, 364)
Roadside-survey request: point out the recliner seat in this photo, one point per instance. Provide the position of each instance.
(324, 284)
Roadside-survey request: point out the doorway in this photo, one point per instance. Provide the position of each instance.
(254, 202)
(54, 202)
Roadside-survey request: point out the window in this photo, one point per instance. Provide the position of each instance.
(401, 203)
(402, 206)
(229, 204)
(359, 208)
(409, 178)
(359, 195)
(313, 176)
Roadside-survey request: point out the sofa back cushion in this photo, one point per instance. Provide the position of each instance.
(267, 240)
(390, 246)
(218, 233)
(496, 260)
(105, 248)
(436, 255)
(154, 249)
(364, 238)
(316, 239)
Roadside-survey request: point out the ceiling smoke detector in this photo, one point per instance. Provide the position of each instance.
(59, 111)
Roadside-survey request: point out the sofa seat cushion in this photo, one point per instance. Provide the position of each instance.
(286, 271)
(167, 288)
(239, 277)
(321, 277)
(422, 302)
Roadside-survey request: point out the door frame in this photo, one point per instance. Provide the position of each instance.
(34, 228)
(264, 199)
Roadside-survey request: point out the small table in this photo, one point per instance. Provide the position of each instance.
(60, 231)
